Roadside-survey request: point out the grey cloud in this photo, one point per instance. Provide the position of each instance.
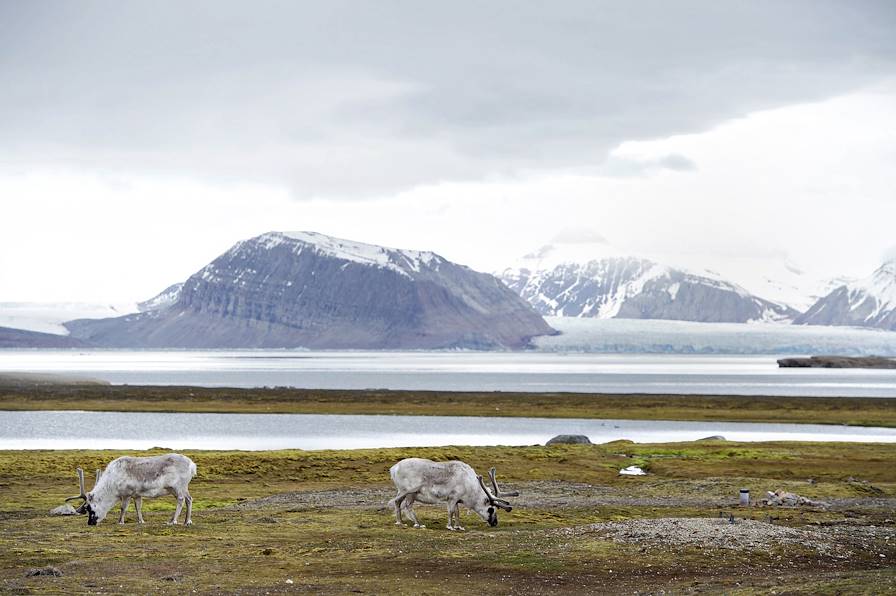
(677, 162)
(353, 98)
(625, 166)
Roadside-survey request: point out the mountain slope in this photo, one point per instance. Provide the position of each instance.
(22, 338)
(302, 289)
(869, 302)
(633, 288)
(48, 317)
(166, 297)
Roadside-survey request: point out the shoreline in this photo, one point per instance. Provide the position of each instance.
(849, 411)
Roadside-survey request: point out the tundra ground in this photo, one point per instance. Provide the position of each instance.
(287, 521)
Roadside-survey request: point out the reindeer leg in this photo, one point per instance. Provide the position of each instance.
(177, 510)
(409, 510)
(451, 506)
(138, 504)
(457, 525)
(397, 503)
(124, 507)
(189, 520)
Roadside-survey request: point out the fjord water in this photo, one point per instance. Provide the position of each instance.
(127, 430)
(457, 371)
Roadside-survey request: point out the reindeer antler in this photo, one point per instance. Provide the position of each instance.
(83, 494)
(491, 499)
(494, 501)
(491, 475)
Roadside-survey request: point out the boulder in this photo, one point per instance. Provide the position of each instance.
(48, 570)
(569, 440)
(64, 510)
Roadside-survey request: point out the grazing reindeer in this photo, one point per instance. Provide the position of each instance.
(452, 482)
(138, 477)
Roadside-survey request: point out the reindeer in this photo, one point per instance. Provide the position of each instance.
(452, 482)
(137, 477)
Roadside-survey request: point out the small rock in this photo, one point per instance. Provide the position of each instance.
(49, 570)
(569, 440)
(632, 471)
(63, 510)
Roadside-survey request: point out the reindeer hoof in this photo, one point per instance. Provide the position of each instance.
(460, 529)
(172, 523)
(421, 526)
(189, 522)
(450, 528)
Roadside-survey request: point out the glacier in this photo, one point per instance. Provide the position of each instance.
(685, 337)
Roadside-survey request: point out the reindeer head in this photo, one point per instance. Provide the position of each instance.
(493, 500)
(86, 505)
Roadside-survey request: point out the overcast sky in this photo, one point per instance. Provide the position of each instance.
(140, 140)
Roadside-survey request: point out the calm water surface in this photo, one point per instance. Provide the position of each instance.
(457, 371)
(121, 430)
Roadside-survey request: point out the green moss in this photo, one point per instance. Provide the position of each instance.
(821, 410)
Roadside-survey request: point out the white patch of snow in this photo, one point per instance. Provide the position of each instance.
(632, 471)
(400, 260)
(673, 290)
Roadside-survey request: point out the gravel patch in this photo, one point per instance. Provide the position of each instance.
(713, 533)
(348, 498)
(543, 494)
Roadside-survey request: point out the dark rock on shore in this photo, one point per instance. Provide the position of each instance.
(838, 362)
(569, 440)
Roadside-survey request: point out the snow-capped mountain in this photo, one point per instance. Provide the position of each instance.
(597, 281)
(868, 302)
(303, 289)
(775, 278)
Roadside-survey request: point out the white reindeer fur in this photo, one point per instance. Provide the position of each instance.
(453, 483)
(139, 477)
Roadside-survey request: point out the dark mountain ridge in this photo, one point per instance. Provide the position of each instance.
(302, 289)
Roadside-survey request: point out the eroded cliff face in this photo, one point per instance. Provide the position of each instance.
(304, 289)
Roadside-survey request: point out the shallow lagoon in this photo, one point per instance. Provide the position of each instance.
(123, 430)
